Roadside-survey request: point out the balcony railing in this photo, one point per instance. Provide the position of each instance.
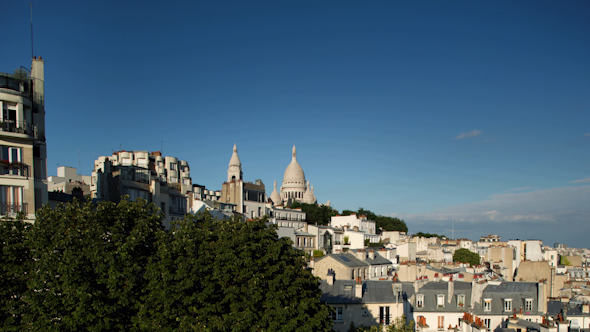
(9, 81)
(22, 127)
(12, 208)
(18, 169)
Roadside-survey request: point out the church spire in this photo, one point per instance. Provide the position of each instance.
(294, 152)
(234, 171)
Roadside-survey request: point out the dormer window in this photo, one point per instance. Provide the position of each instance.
(419, 300)
(461, 300)
(528, 304)
(440, 301)
(507, 305)
(487, 305)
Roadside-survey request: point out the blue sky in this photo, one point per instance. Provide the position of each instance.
(427, 110)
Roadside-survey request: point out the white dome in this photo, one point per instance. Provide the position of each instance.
(294, 176)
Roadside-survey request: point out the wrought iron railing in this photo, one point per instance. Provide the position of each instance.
(12, 208)
(8, 81)
(18, 169)
(22, 127)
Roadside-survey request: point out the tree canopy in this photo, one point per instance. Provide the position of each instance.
(112, 267)
(466, 256)
(420, 234)
(315, 214)
(387, 223)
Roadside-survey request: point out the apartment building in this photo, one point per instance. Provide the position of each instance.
(164, 181)
(23, 152)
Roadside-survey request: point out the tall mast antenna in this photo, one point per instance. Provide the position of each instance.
(32, 53)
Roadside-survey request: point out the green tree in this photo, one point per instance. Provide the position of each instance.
(315, 214)
(222, 275)
(387, 223)
(15, 260)
(466, 256)
(420, 234)
(88, 265)
(372, 328)
(400, 324)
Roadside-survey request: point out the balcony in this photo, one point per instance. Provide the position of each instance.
(10, 82)
(15, 168)
(12, 208)
(22, 127)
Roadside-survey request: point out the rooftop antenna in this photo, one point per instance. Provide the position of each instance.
(453, 227)
(32, 53)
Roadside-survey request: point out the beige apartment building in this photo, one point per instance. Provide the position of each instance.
(23, 153)
(164, 181)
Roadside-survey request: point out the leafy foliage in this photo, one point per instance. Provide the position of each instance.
(420, 234)
(88, 265)
(315, 214)
(15, 262)
(400, 324)
(387, 223)
(112, 267)
(212, 275)
(466, 256)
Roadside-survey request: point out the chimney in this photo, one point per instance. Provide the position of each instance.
(358, 289)
(371, 254)
(396, 287)
(451, 288)
(360, 254)
(330, 278)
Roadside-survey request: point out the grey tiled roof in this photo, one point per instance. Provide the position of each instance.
(374, 291)
(348, 260)
(554, 307)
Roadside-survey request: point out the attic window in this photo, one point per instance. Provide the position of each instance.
(419, 300)
(461, 300)
(440, 301)
(528, 304)
(507, 305)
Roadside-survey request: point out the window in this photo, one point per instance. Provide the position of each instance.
(508, 305)
(441, 323)
(528, 304)
(487, 322)
(461, 300)
(305, 242)
(419, 300)
(487, 305)
(384, 315)
(11, 200)
(11, 159)
(337, 314)
(136, 193)
(440, 301)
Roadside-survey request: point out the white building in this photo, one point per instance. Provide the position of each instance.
(23, 152)
(67, 179)
(355, 223)
(164, 181)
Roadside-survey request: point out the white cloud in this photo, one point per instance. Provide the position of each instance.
(469, 134)
(586, 135)
(520, 189)
(553, 215)
(586, 180)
